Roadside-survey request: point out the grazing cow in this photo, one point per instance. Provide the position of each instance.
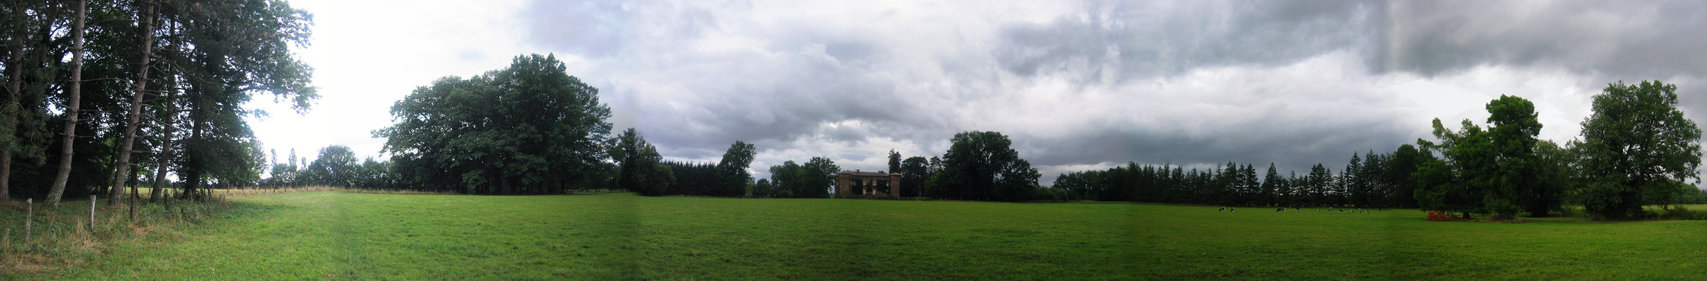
(1278, 210)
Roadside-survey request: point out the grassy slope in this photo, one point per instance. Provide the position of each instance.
(329, 235)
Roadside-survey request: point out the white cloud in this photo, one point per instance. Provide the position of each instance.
(368, 54)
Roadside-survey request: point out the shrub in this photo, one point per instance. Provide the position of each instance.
(1438, 216)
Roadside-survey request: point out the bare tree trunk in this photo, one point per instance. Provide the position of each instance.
(14, 90)
(71, 106)
(166, 146)
(135, 113)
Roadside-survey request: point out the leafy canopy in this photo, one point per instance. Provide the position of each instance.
(983, 166)
(529, 128)
(1637, 148)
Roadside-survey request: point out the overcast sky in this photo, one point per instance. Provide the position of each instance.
(1075, 85)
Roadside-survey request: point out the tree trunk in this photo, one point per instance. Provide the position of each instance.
(166, 145)
(14, 89)
(170, 120)
(135, 112)
(191, 174)
(71, 106)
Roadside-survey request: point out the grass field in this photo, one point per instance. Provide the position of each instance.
(349, 236)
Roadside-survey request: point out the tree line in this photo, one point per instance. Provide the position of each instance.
(123, 93)
(979, 165)
(336, 166)
(1635, 150)
(1373, 180)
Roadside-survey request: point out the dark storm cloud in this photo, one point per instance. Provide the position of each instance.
(1133, 40)
(1616, 39)
(786, 105)
(1289, 144)
(695, 76)
(1115, 42)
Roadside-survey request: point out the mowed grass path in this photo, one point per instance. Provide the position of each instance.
(346, 236)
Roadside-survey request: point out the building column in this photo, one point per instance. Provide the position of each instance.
(895, 185)
(842, 184)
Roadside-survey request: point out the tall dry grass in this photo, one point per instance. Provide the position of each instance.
(63, 236)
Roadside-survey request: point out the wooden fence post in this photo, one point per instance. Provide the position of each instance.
(29, 215)
(91, 213)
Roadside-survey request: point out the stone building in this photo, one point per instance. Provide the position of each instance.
(846, 181)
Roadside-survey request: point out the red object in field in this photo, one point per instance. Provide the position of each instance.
(1438, 216)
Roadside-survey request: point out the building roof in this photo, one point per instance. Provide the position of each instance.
(864, 173)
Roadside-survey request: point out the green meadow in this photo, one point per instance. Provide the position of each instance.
(354, 236)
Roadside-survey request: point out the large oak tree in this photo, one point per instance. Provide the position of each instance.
(1637, 148)
(983, 166)
(529, 128)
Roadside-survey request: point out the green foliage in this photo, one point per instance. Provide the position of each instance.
(914, 171)
(529, 128)
(1348, 185)
(727, 178)
(984, 166)
(1466, 179)
(1464, 173)
(218, 55)
(1554, 177)
(233, 50)
(1636, 148)
(1249, 187)
(1400, 166)
(1514, 127)
(1272, 188)
(1374, 190)
(812, 180)
(641, 168)
(764, 189)
(1691, 194)
(1317, 184)
(734, 179)
(1502, 171)
(373, 174)
(819, 174)
(336, 166)
(1436, 182)
(894, 161)
(1371, 185)
(786, 178)
(697, 179)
